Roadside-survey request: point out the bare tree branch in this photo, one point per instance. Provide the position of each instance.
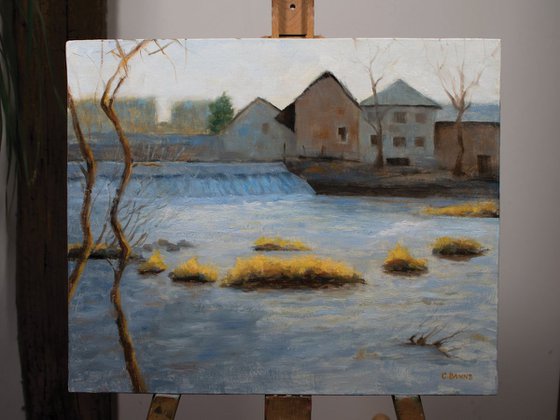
(85, 214)
(458, 88)
(375, 77)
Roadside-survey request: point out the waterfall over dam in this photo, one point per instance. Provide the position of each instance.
(200, 180)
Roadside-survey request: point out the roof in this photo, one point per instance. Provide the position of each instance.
(287, 115)
(327, 75)
(257, 102)
(489, 113)
(402, 94)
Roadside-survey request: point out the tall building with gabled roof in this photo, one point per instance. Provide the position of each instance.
(407, 118)
(328, 122)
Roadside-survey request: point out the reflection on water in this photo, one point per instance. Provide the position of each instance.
(208, 339)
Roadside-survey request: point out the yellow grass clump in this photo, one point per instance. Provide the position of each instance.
(193, 271)
(447, 246)
(299, 272)
(153, 265)
(399, 260)
(276, 243)
(475, 209)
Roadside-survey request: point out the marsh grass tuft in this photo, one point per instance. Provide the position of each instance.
(400, 261)
(153, 265)
(276, 243)
(193, 271)
(475, 209)
(308, 271)
(457, 247)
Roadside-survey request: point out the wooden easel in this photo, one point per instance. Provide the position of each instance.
(290, 19)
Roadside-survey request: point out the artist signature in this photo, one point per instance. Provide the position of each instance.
(455, 375)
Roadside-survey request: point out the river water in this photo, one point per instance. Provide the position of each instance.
(208, 339)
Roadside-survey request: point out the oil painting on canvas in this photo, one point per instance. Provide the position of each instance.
(283, 216)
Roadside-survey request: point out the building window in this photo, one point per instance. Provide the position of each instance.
(398, 161)
(421, 118)
(420, 142)
(265, 127)
(399, 141)
(343, 134)
(374, 139)
(399, 117)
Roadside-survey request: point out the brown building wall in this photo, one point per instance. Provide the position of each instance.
(320, 112)
(482, 147)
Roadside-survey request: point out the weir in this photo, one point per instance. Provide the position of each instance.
(199, 180)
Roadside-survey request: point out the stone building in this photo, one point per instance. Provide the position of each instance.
(407, 118)
(328, 122)
(481, 139)
(254, 134)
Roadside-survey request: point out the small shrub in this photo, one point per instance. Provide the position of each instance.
(278, 244)
(446, 246)
(427, 339)
(307, 271)
(399, 260)
(478, 209)
(193, 271)
(153, 265)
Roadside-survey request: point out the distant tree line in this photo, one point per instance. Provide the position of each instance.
(190, 117)
(139, 115)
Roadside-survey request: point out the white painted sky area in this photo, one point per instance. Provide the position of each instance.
(278, 70)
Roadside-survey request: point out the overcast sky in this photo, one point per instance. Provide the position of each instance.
(280, 69)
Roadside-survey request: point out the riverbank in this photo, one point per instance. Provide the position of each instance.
(355, 178)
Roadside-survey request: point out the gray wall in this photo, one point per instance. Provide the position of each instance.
(245, 138)
(368, 151)
(419, 156)
(529, 313)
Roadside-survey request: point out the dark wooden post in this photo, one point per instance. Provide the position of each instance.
(41, 244)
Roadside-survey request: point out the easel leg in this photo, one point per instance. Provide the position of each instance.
(408, 407)
(163, 407)
(287, 407)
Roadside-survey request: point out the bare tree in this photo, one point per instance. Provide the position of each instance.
(376, 73)
(107, 104)
(110, 92)
(85, 214)
(458, 86)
